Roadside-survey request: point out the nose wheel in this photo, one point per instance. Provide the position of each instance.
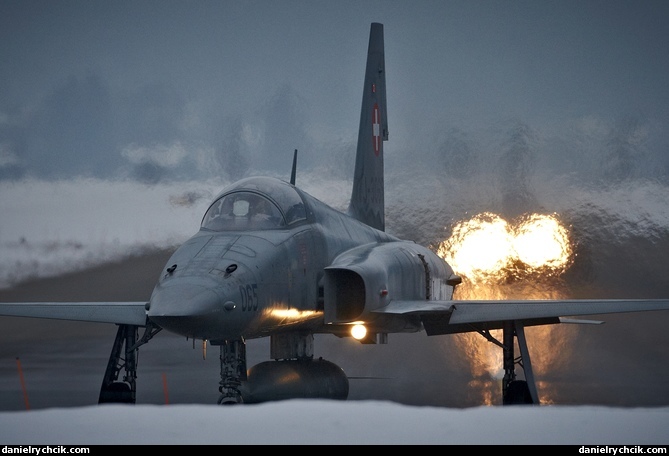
(230, 400)
(233, 371)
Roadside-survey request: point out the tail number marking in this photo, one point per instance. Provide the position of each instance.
(249, 294)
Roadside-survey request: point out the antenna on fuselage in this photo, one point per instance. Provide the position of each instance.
(292, 173)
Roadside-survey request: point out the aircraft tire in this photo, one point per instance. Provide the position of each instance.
(230, 400)
(518, 392)
(117, 393)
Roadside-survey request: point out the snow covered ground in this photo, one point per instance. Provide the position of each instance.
(318, 422)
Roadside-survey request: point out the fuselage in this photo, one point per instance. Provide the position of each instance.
(250, 270)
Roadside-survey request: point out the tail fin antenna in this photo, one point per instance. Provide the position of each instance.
(367, 198)
(292, 173)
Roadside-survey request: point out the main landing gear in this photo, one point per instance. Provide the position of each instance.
(514, 391)
(113, 390)
(293, 373)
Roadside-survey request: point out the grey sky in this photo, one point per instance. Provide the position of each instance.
(153, 89)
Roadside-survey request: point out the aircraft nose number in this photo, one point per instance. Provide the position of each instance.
(249, 295)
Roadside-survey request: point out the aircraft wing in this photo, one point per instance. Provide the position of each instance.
(120, 312)
(447, 317)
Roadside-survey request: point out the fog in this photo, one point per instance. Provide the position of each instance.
(156, 90)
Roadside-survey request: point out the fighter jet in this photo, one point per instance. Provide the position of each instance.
(270, 260)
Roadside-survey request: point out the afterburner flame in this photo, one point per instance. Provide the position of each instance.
(541, 242)
(479, 247)
(508, 260)
(488, 249)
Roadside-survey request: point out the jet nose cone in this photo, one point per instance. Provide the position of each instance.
(185, 308)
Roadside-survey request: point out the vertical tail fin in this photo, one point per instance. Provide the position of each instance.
(367, 199)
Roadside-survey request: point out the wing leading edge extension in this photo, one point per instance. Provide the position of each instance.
(448, 317)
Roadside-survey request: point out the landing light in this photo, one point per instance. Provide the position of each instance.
(358, 332)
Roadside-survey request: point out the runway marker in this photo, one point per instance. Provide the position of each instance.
(23, 383)
(167, 397)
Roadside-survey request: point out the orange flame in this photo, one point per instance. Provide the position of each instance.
(487, 249)
(502, 260)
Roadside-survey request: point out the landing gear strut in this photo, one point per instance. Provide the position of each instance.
(517, 391)
(113, 390)
(233, 371)
(124, 391)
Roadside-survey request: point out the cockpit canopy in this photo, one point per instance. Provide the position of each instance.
(256, 203)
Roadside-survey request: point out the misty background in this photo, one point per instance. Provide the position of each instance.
(509, 107)
(119, 121)
(159, 90)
